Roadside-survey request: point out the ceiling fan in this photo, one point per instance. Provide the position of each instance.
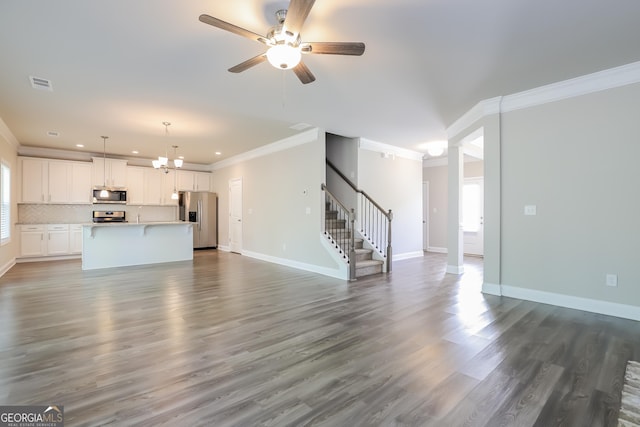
(285, 45)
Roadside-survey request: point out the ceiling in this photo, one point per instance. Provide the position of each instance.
(120, 68)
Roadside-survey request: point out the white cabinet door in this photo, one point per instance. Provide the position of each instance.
(185, 180)
(58, 182)
(113, 172)
(80, 185)
(32, 241)
(34, 177)
(152, 186)
(75, 238)
(135, 185)
(58, 239)
(118, 172)
(202, 181)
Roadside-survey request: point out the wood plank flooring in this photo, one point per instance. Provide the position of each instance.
(226, 340)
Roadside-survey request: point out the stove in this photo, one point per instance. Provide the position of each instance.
(109, 216)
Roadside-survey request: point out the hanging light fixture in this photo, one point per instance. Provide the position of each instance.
(163, 162)
(178, 164)
(104, 192)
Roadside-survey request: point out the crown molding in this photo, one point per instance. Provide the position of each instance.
(386, 149)
(583, 85)
(284, 144)
(590, 83)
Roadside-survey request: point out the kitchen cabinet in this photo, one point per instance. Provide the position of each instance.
(54, 181)
(80, 185)
(32, 240)
(193, 181)
(109, 172)
(135, 185)
(40, 240)
(168, 187)
(58, 239)
(153, 186)
(75, 238)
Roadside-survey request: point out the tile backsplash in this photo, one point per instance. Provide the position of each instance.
(78, 214)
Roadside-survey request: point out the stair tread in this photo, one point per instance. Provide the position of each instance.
(363, 251)
(368, 263)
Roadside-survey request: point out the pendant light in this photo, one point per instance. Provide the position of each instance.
(163, 162)
(177, 163)
(104, 192)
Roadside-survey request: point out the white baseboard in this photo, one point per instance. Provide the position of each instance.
(224, 248)
(437, 250)
(455, 269)
(335, 273)
(491, 289)
(48, 258)
(568, 301)
(7, 266)
(408, 255)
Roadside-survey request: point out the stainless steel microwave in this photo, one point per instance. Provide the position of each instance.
(109, 195)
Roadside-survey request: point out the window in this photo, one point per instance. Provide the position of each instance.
(5, 203)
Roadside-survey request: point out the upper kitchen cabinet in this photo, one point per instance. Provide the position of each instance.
(193, 181)
(112, 173)
(54, 181)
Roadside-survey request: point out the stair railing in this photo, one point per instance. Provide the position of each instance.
(373, 221)
(339, 228)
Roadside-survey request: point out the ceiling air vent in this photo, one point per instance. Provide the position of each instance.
(40, 83)
(53, 134)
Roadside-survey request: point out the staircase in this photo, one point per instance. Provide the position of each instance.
(338, 233)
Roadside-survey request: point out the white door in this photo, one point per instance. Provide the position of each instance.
(235, 215)
(425, 215)
(473, 216)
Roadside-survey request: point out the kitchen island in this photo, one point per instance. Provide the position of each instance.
(106, 245)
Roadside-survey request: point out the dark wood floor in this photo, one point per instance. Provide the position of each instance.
(228, 340)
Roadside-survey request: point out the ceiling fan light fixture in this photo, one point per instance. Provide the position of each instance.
(284, 56)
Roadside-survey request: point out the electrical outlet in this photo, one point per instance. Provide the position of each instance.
(612, 280)
(530, 210)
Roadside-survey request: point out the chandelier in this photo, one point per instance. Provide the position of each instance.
(163, 162)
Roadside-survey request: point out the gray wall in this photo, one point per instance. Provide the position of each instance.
(277, 190)
(577, 161)
(396, 184)
(343, 153)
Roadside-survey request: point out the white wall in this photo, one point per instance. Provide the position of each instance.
(279, 183)
(395, 183)
(576, 160)
(9, 153)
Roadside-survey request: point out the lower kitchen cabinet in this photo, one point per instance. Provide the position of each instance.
(41, 240)
(75, 238)
(58, 239)
(32, 240)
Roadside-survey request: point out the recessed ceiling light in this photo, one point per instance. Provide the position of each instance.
(218, 153)
(53, 133)
(80, 145)
(135, 151)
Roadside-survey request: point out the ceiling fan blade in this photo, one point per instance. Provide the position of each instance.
(218, 23)
(333, 48)
(249, 63)
(303, 73)
(296, 15)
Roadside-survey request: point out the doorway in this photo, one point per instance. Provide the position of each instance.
(473, 216)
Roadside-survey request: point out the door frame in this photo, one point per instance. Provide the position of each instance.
(235, 246)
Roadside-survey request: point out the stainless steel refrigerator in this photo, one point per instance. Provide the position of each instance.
(200, 208)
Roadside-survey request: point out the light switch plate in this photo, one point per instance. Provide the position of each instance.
(612, 280)
(530, 210)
